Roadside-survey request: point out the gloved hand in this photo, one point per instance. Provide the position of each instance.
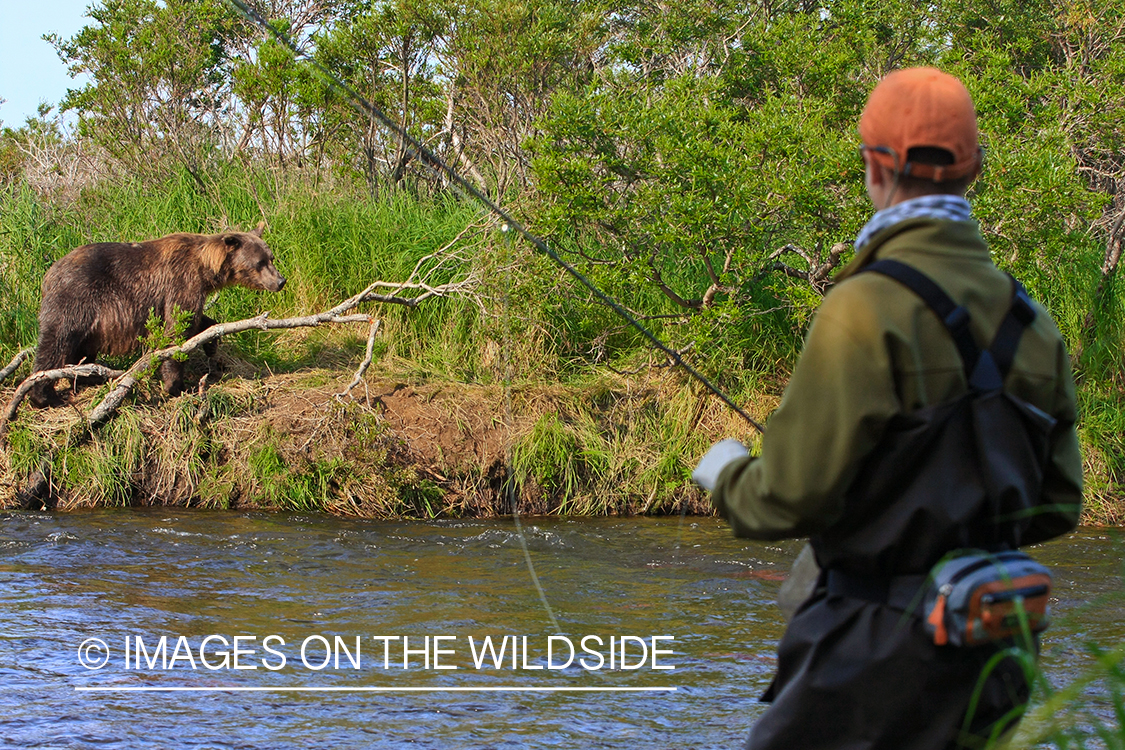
(706, 474)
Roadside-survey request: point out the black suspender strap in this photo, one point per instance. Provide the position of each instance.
(985, 370)
(1020, 316)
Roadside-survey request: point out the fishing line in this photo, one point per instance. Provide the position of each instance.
(365, 107)
(509, 484)
(412, 145)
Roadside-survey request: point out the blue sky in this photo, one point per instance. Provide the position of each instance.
(30, 71)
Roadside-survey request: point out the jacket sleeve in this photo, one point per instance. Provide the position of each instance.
(834, 410)
(1061, 503)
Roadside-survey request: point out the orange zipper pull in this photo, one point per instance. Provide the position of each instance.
(937, 619)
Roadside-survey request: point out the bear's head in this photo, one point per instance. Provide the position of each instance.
(243, 259)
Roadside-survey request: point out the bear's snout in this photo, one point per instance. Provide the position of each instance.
(270, 279)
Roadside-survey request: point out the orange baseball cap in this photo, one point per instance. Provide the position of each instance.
(921, 107)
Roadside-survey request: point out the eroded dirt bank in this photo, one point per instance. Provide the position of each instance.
(391, 448)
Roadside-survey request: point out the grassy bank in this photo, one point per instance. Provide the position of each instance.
(404, 449)
(572, 434)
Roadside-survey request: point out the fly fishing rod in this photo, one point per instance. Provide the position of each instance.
(420, 151)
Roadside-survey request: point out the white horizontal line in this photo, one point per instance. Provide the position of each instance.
(365, 689)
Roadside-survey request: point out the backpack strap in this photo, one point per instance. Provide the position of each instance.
(985, 370)
(1020, 316)
(955, 317)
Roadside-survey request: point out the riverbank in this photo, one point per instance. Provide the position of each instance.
(594, 424)
(395, 447)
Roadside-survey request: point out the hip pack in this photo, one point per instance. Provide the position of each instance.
(975, 597)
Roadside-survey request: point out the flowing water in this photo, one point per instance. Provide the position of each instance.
(692, 606)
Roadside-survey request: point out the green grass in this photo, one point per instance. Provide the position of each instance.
(527, 323)
(1102, 434)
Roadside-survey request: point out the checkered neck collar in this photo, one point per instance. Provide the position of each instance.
(945, 207)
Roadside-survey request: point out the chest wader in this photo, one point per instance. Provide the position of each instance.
(964, 474)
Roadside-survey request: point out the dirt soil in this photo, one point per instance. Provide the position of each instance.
(456, 435)
(438, 425)
(451, 428)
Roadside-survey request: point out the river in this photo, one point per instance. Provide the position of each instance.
(256, 609)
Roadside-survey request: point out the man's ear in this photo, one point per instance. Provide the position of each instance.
(257, 231)
(877, 174)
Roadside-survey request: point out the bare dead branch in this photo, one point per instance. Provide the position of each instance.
(62, 373)
(128, 380)
(418, 279)
(362, 369)
(16, 362)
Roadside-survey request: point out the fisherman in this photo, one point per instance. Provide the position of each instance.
(856, 666)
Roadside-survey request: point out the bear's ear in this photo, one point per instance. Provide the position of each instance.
(257, 231)
(232, 241)
(214, 253)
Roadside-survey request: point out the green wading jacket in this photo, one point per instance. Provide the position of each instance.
(875, 350)
(853, 673)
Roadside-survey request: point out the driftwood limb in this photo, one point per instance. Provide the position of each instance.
(62, 373)
(362, 369)
(128, 380)
(16, 362)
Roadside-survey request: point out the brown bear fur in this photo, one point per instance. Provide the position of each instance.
(98, 297)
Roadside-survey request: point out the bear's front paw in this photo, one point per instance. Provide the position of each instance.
(45, 398)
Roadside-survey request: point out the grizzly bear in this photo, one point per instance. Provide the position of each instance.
(98, 297)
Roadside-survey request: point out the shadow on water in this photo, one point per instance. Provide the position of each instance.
(325, 582)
